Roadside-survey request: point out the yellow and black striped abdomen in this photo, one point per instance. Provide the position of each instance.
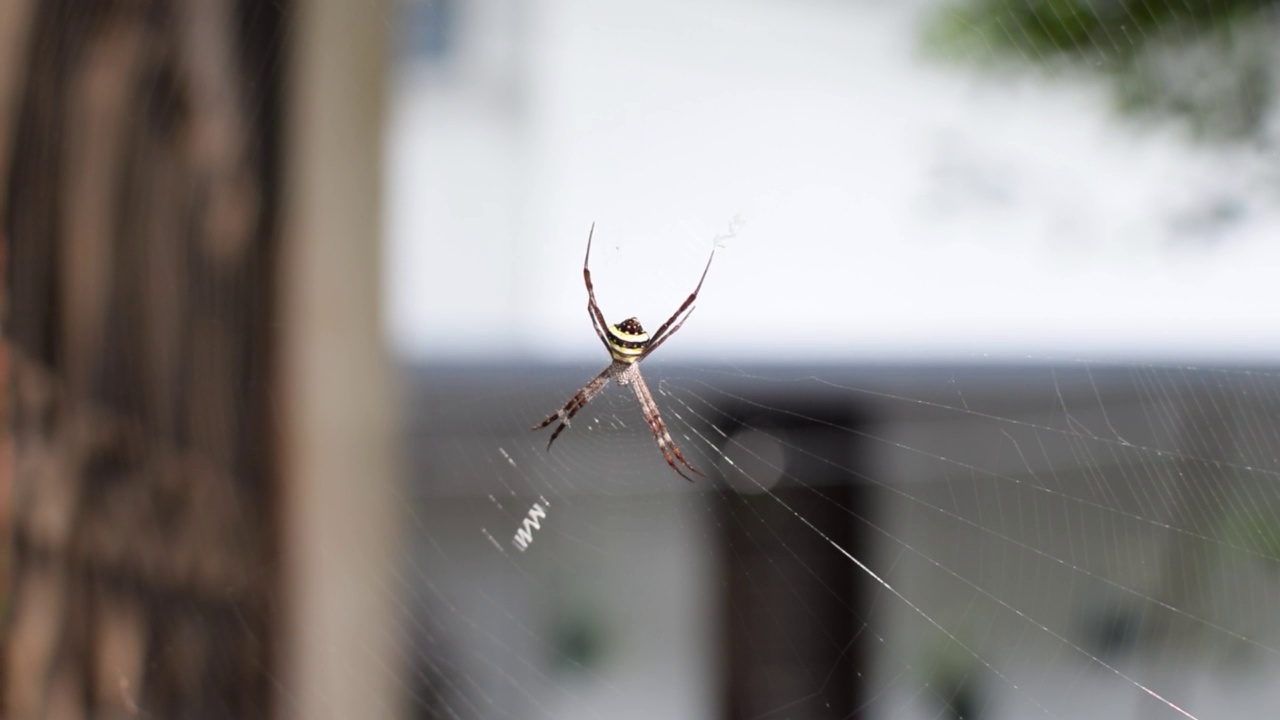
(627, 340)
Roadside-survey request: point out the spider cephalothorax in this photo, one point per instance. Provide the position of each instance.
(628, 344)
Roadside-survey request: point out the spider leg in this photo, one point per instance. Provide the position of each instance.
(660, 334)
(670, 451)
(655, 344)
(576, 403)
(593, 308)
(595, 325)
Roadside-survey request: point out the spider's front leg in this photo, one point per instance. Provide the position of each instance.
(576, 403)
(670, 451)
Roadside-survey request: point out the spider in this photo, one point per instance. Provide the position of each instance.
(628, 344)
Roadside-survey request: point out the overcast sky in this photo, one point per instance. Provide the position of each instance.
(893, 207)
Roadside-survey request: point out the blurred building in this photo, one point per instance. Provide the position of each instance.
(946, 478)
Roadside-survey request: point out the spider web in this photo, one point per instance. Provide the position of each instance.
(1106, 547)
(1003, 448)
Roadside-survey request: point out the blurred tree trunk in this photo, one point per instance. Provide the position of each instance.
(138, 194)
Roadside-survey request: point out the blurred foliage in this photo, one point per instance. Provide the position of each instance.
(1214, 62)
(1257, 532)
(1117, 27)
(580, 639)
(954, 679)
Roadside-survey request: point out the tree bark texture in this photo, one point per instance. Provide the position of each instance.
(138, 193)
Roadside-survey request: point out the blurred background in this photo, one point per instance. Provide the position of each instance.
(984, 377)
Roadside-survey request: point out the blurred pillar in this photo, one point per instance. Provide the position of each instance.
(796, 610)
(1182, 587)
(341, 531)
(138, 185)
